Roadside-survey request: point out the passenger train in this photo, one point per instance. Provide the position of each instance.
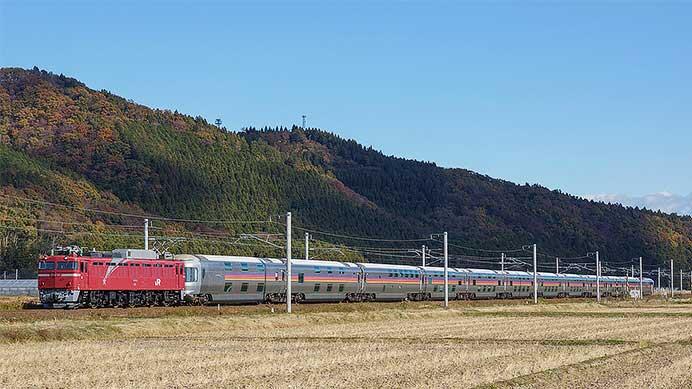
(131, 278)
(229, 279)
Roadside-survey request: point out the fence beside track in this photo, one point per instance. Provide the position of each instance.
(24, 287)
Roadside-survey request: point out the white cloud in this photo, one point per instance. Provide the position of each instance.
(663, 201)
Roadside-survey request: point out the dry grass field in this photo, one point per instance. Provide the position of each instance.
(487, 344)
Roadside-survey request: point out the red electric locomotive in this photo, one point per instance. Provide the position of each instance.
(121, 278)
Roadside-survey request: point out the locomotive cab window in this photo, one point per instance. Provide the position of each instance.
(46, 265)
(68, 265)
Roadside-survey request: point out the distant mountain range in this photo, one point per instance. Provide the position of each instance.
(661, 201)
(63, 143)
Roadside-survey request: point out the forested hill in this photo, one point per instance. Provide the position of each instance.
(61, 142)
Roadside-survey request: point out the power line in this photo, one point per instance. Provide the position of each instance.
(480, 250)
(10, 218)
(142, 216)
(359, 237)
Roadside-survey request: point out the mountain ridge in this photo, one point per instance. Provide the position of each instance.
(166, 163)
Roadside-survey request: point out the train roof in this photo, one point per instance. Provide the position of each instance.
(366, 265)
(319, 262)
(228, 258)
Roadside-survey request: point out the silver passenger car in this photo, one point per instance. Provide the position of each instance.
(390, 282)
(315, 280)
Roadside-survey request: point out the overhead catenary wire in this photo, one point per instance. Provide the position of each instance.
(359, 237)
(141, 216)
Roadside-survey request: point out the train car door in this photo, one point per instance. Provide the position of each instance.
(83, 274)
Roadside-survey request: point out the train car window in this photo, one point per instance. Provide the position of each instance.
(329, 287)
(244, 286)
(260, 267)
(329, 270)
(260, 287)
(317, 288)
(301, 278)
(317, 269)
(190, 274)
(228, 266)
(341, 287)
(244, 267)
(228, 287)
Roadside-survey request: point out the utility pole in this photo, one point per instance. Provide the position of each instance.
(16, 274)
(289, 296)
(146, 234)
(446, 272)
(598, 278)
(672, 277)
(557, 265)
(641, 279)
(535, 275)
(632, 270)
(303, 122)
(680, 280)
(307, 246)
(659, 278)
(502, 268)
(423, 251)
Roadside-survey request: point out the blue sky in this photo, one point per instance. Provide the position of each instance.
(589, 98)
